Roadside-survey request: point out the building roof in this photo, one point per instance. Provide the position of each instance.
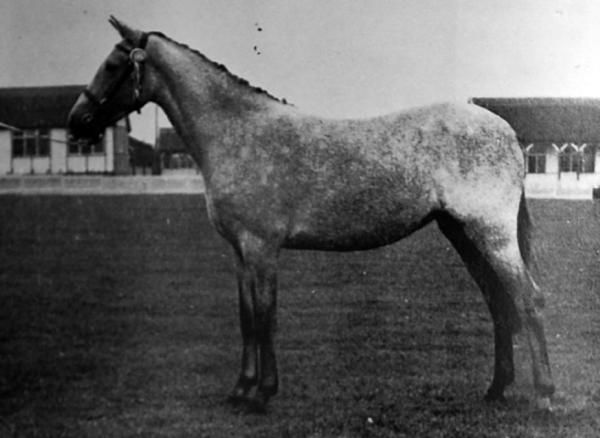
(169, 141)
(37, 107)
(540, 119)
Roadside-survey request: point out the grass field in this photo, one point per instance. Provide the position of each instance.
(118, 318)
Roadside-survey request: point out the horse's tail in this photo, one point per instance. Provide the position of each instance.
(524, 231)
(524, 237)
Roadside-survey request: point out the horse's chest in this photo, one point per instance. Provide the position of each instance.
(233, 215)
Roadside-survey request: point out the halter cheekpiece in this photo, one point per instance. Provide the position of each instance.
(136, 57)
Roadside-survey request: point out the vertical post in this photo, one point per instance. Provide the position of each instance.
(30, 161)
(156, 128)
(105, 151)
(12, 156)
(49, 138)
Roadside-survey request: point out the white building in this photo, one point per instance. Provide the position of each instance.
(174, 158)
(561, 141)
(34, 138)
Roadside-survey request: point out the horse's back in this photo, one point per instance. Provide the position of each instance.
(429, 135)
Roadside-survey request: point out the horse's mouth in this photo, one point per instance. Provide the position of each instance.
(87, 139)
(84, 133)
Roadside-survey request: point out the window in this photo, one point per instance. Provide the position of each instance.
(569, 159)
(31, 143)
(588, 159)
(82, 147)
(536, 163)
(535, 156)
(577, 159)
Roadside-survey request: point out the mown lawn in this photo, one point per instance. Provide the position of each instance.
(118, 318)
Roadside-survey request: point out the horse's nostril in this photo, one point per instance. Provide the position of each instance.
(87, 118)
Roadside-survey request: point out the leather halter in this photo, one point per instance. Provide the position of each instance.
(133, 68)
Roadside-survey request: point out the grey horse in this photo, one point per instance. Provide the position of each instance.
(279, 178)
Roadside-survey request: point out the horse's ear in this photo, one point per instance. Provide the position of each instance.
(126, 32)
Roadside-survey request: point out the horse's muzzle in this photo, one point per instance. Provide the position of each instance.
(82, 122)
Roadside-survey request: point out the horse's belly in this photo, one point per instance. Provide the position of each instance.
(344, 231)
(341, 242)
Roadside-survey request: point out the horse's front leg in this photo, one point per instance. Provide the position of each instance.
(265, 314)
(248, 377)
(257, 285)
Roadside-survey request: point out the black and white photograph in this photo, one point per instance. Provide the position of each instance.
(320, 219)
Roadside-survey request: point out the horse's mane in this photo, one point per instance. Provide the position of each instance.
(220, 67)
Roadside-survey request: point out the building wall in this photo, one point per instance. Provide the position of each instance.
(551, 160)
(553, 183)
(5, 152)
(88, 163)
(120, 151)
(58, 150)
(543, 185)
(61, 161)
(109, 134)
(33, 165)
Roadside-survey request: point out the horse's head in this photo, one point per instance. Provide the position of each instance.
(117, 88)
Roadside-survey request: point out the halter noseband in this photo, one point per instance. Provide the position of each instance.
(133, 67)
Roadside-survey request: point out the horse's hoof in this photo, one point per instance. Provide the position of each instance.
(234, 399)
(543, 404)
(257, 404)
(241, 391)
(495, 396)
(256, 407)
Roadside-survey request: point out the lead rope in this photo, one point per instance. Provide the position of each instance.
(136, 57)
(137, 90)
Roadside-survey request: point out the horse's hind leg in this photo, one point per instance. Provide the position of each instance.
(504, 318)
(257, 288)
(492, 256)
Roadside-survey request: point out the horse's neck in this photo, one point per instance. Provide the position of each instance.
(200, 98)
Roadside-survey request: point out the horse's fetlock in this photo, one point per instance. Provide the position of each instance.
(247, 381)
(539, 301)
(545, 388)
